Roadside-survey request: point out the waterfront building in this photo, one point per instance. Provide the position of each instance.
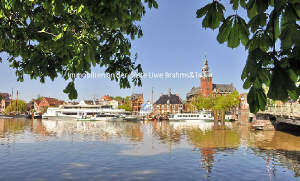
(104, 99)
(207, 87)
(168, 104)
(42, 104)
(108, 101)
(146, 109)
(5, 101)
(136, 101)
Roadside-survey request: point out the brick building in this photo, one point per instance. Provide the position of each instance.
(45, 102)
(136, 101)
(207, 87)
(168, 103)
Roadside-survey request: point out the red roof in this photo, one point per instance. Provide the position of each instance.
(106, 98)
(53, 101)
(37, 102)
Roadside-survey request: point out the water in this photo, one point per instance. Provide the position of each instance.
(70, 150)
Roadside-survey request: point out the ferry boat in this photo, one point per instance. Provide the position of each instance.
(205, 115)
(98, 117)
(76, 111)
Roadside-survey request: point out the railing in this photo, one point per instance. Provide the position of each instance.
(285, 109)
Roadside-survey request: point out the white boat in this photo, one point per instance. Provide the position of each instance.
(76, 111)
(205, 115)
(130, 118)
(98, 117)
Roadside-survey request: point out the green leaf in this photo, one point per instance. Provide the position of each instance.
(235, 4)
(233, 39)
(261, 5)
(258, 21)
(224, 30)
(243, 3)
(80, 8)
(253, 100)
(57, 37)
(247, 84)
(294, 94)
(297, 9)
(293, 76)
(202, 11)
(155, 5)
(71, 91)
(251, 9)
(262, 99)
(213, 15)
(244, 31)
(280, 83)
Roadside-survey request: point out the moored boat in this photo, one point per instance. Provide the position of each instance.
(76, 111)
(97, 117)
(204, 115)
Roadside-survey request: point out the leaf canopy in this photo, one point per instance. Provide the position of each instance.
(51, 38)
(269, 23)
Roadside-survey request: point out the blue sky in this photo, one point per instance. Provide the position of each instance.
(173, 41)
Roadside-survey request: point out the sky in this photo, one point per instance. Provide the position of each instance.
(173, 41)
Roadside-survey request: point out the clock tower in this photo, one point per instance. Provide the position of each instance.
(205, 80)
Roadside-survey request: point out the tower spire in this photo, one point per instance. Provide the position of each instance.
(205, 69)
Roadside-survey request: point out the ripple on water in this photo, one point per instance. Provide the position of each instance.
(70, 150)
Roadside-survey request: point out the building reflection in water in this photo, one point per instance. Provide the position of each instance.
(150, 138)
(11, 127)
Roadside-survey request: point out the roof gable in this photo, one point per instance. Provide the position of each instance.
(169, 99)
(136, 96)
(224, 87)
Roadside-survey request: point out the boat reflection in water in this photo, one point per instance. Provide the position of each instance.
(152, 150)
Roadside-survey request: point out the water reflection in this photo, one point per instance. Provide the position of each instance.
(278, 150)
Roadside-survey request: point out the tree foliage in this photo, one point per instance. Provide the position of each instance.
(269, 23)
(124, 102)
(217, 102)
(48, 38)
(19, 106)
(125, 106)
(51, 38)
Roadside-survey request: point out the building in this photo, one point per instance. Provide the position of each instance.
(108, 101)
(168, 104)
(207, 87)
(5, 101)
(146, 109)
(104, 99)
(45, 102)
(136, 101)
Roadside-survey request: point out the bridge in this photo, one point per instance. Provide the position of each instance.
(279, 117)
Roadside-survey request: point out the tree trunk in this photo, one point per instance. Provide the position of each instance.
(222, 116)
(216, 119)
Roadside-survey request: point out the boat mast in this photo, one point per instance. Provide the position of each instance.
(152, 96)
(17, 101)
(11, 98)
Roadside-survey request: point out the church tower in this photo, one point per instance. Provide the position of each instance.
(205, 80)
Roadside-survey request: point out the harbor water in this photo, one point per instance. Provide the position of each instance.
(190, 150)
